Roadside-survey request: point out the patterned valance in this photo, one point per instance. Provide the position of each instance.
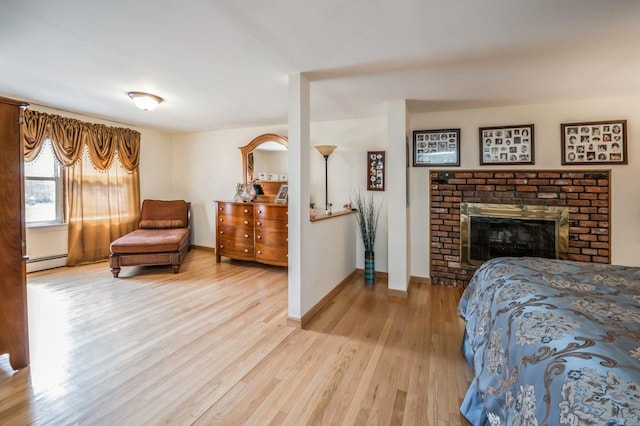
(68, 136)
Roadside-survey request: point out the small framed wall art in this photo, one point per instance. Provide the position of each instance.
(597, 142)
(375, 170)
(507, 145)
(439, 148)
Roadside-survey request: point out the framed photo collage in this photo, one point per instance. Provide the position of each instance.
(597, 142)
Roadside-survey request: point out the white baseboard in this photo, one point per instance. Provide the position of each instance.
(41, 265)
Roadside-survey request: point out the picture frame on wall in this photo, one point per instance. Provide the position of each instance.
(436, 148)
(507, 145)
(594, 142)
(375, 170)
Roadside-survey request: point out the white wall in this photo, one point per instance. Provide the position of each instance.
(332, 259)
(156, 172)
(46, 247)
(625, 198)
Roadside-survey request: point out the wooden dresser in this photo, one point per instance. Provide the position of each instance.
(252, 231)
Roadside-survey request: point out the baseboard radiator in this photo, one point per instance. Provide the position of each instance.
(46, 262)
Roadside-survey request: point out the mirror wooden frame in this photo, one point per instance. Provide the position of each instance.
(245, 150)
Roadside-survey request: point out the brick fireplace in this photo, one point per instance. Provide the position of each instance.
(586, 194)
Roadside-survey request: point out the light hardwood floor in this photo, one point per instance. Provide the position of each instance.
(211, 346)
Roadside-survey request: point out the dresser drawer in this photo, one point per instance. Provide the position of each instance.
(272, 224)
(244, 233)
(232, 209)
(235, 249)
(273, 255)
(243, 222)
(272, 238)
(271, 212)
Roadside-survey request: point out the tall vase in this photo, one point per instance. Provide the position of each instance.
(369, 268)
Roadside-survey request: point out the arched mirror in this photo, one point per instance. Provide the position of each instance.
(265, 160)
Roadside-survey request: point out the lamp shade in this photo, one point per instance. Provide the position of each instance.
(145, 101)
(326, 150)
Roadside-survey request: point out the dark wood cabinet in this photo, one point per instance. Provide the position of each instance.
(252, 231)
(14, 338)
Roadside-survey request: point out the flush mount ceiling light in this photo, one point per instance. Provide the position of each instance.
(145, 101)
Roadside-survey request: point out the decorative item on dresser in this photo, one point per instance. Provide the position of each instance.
(252, 231)
(14, 336)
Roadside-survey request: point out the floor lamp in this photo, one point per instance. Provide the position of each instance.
(326, 151)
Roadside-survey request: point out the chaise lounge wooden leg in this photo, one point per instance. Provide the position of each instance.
(115, 272)
(176, 268)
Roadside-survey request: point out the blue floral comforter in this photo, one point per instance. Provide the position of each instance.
(552, 342)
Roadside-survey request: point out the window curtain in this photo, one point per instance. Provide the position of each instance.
(101, 166)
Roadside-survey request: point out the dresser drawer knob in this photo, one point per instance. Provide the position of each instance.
(220, 219)
(259, 252)
(221, 246)
(246, 235)
(221, 232)
(259, 237)
(246, 211)
(246, 222)
(259, 223)
(246, 250)
(260, 211)
(220, 208)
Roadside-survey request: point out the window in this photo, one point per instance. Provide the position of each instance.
(43, 188)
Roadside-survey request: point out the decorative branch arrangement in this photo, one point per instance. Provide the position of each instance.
(367, 218)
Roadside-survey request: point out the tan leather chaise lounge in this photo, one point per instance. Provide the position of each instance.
(163, 237)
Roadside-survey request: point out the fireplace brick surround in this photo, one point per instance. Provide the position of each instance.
(585, 192)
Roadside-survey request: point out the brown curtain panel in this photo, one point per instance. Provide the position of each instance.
(101, 175)
(103, 206)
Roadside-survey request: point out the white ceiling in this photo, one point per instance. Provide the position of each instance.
(225, 64)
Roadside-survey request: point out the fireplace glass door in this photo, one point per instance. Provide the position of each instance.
(498, 237)
(498, 230)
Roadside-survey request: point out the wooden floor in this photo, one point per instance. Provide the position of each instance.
(210, 346)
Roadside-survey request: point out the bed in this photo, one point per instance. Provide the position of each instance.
(552, 342)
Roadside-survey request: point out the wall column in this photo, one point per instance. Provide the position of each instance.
(299, 134)
(398, 227)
